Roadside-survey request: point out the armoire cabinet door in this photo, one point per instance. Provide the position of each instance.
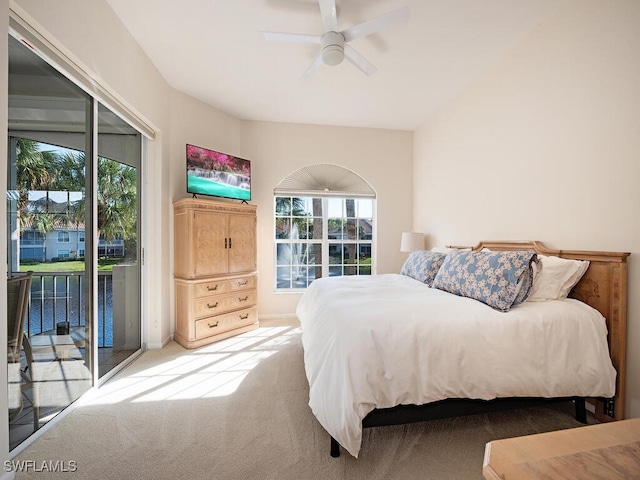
(242, 234)
(209, 237)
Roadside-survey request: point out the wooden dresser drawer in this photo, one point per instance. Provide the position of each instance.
(212, 287)
(216, 304)
(215, 287)
(242, 283)
(222, 323)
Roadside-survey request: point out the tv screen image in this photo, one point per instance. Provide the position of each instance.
(217, 174)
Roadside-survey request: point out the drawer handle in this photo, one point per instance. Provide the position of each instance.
(245, 317)
(212, 306)
(214, 325)
(243, 299)
(243, 284)
(212, 289)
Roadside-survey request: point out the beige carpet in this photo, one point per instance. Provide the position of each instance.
(238, 410)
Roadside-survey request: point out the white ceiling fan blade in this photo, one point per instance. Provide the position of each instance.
(359, 61)
(317, 61)
(329, 15)
(376, 24)
(290, 37)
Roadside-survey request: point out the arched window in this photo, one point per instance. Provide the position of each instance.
(324, 226)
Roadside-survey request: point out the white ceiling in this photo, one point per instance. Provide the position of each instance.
(213, 51)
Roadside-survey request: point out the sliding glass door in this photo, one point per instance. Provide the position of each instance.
(117, 240)
(73, 217)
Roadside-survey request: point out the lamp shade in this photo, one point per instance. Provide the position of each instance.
(412, 241)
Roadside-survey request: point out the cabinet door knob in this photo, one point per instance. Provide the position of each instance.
(244, 317)
(212, 289)
(243, 284)
(243, 299)
(212, 306)
(214, 325)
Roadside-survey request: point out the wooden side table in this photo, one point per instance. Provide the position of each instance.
(604, 451)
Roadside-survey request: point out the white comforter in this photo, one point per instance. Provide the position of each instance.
(380, 341)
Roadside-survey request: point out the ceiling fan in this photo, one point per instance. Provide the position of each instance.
(334, 44)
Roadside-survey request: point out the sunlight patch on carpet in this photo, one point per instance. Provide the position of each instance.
(215, 370)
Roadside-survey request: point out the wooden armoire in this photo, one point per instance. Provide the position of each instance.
(214, 270)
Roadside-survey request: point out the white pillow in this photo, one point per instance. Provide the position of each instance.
(556, 278)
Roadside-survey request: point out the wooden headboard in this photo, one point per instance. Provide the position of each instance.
(604, 287)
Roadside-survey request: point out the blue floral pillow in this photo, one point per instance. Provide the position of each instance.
(499, 279)
(423, 265)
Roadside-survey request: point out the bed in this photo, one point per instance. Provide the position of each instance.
(391, 348)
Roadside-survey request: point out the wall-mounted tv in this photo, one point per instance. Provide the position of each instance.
(218, 174)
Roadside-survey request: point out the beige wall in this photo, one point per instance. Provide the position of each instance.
(197, 123)
(546, 146)
(382, 157)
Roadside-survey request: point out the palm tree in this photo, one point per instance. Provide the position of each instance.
(47, 170)
(317, 235)
(117, 194)
(35, 170)
(350, 205)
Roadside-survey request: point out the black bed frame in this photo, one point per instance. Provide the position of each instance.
(402, 414)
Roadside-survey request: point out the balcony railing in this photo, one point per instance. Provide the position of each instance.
(59, 297)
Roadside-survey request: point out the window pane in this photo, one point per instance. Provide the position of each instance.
(336, 207)
(303, 228)
(352, 229)
(315, 228)
(314, 253)
(298, 254)
(365, 229)
(283, 279)
(335, 229)
(298, 225)
(283, 206)
(283, 227)
(335, 253)
(364, 253)
(298, 206)
(350, 207)
(335, 271)
(349, 251)
(283, 254)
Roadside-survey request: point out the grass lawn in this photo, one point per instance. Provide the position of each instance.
(104, 265)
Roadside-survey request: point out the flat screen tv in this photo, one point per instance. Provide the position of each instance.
(217, 174)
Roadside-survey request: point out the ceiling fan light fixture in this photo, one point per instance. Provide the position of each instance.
(333, 55)
(332, 44)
